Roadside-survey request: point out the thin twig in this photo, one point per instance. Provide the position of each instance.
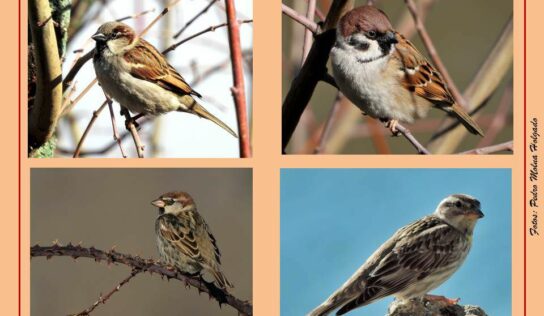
(499, 119)
(135, 16)
(149, 265)
(427, 41)
(238, 89)
(328, 124)
(506, 146)
(88, 128)
(482, 86)
(116, 137)
(131, 127)
(103, 299)
(406, 133)
(308, 34)
(297, 17)
(209, 29)
(199, 14)
(76, 68)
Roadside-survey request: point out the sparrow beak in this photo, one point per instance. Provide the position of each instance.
(158, 203)
(99, 37)
(477, 213)
(390, 37)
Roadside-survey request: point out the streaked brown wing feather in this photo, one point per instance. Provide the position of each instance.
(421, 77)
(180, 235)
(154, 68)
(412, 258)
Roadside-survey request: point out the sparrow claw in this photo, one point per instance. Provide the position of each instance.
(392, 126)
(442, 299)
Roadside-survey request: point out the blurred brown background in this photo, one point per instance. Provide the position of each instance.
(463, 32)
(111, 207)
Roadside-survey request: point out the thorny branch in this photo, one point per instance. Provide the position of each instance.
(148, 265)
(103, 299)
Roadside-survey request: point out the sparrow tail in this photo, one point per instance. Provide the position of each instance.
(466, 120)
(324, 309)
(221, 279)
(199, 110)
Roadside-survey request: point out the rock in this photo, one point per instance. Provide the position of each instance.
(424, 307)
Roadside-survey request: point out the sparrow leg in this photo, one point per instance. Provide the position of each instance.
(129, 119)
(392, 126)
(442, 299)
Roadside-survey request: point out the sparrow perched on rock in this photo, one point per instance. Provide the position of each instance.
(416, 259)
(135, 74)
(184, 239)
(384, 75)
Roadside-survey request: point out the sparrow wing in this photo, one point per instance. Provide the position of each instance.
(180, 234)
(425, 81)
(150, 65)
(420, 249)
(421, 77)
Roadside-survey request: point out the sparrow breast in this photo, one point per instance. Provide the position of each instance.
(138, 96)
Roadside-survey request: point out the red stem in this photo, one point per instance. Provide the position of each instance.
(238, 91)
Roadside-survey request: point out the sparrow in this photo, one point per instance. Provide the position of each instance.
(135, 74)
(385, 76)
(184, 239)
(415, 260)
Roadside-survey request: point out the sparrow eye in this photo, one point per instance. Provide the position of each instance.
(458, 204)
(168, 201)
(371, 34)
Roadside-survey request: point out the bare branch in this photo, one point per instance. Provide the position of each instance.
(131, 127)
(427, 41)
(406, 133)
(486, 81)
(48, 101)
(304, 21)
(103, 299)
(312, 71)
(141, 264)
(238, 90)
(209, 29)
(308, 34)
(507, 146)
(116, 137)
(88, 128)
(191, 21)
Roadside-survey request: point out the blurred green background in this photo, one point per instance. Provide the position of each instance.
(463, 32)
(111, 207)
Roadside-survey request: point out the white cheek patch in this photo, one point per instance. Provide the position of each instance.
(372, 53)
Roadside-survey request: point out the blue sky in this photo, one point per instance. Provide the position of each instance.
(333, 219)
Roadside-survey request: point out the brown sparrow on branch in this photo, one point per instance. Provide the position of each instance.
(384, 75)
(135, 74)
(184, 239)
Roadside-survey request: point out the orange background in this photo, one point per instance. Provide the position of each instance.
(266, 163)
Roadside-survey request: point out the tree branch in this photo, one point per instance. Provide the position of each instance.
(191, 21)
(489, 76)
(406, 133)
(103, 299)
(507, 146)
(48, 101)
(238, 90)
(149, 265)
(312, 71)
(297, 17)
